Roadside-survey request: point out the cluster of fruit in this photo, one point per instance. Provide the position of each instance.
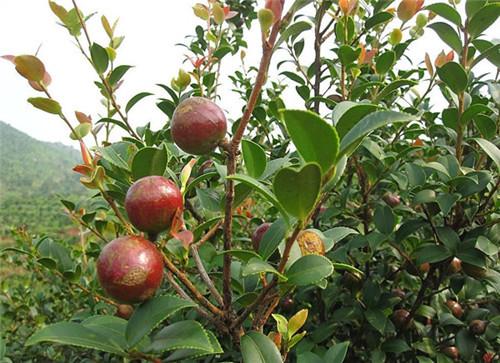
(130, 268)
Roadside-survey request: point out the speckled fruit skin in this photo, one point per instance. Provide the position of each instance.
(258, 234)
(130, 269)
(151, 203)
(198, 125)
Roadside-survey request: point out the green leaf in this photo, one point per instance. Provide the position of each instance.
(337, 353)
(292, 31)
(46, 104)
(473, 6)
(75, 334)
(447, 35)
(309, 270)
(335, 235)
(483, 19)
(432, 253)
(256, 266)
(298, 190)
(486, 126)
(254, 157)
(117, 74)
(315, 139)
(243, 255)
(385, 61)
(448, 237)
(348, 54)
(488, 50)
(384, 219)
(377, 319)
(347, 114)
(261, 189)
(446, 11)
(136, 99)
(378, 18)
(397, 346)
(190, 354)
(272, 238)
(100, 58)
(393, 87)
(110, 326)
(466, 343)
(149, 161)
(55, 255)
(81, 131)
(490, 149)
(484, 245)
(187, 334)
(258, 348)
(454, 76)
(369, 123)
(148, 315)
(118, 154)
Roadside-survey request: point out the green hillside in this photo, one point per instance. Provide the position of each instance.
(32, 174)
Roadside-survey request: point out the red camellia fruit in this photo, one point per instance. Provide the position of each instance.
(452, 352)
(258, 234)
(130, 269)
(124, 311)
(198, 125)
(400, 319)
(151, 203)
(455, 308)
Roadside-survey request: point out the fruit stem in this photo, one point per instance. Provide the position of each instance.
(152, 237)
(113, 206)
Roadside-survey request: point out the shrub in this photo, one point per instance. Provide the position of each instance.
(381, 207)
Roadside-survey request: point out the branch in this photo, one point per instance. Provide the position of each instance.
(204, 275)
(189, 285)
(109, 90)
(268, 48)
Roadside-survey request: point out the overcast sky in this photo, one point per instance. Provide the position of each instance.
(152, 28)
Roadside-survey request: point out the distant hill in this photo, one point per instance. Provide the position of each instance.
(32, 174)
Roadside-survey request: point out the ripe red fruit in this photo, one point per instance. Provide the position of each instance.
(455, 308)
(124, 311)
(198, 125)
(151, 203)
(392, 199)
(258, 234)
(452, 352)
(130, 269)
(455, 266)
(400, 319)
(477, 327)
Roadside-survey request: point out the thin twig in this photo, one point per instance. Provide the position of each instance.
(189, 285)
(204, 275)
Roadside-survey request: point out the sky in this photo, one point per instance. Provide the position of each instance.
(151, 29)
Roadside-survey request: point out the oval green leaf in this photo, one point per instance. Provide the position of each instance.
(254, 157)
(258, 348)
(149, 161)
(151, 313)
(46, 104)
(454, 76)
(315, 139)
(309, 270)
(298, 190)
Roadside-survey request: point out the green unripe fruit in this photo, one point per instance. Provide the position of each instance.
(421, 20)
(396, 36)
(266, 19)
(183, 79)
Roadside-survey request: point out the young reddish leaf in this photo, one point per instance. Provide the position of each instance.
(83, 118)
(30, 67)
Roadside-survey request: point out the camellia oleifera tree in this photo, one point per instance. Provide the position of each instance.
(359, 223)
